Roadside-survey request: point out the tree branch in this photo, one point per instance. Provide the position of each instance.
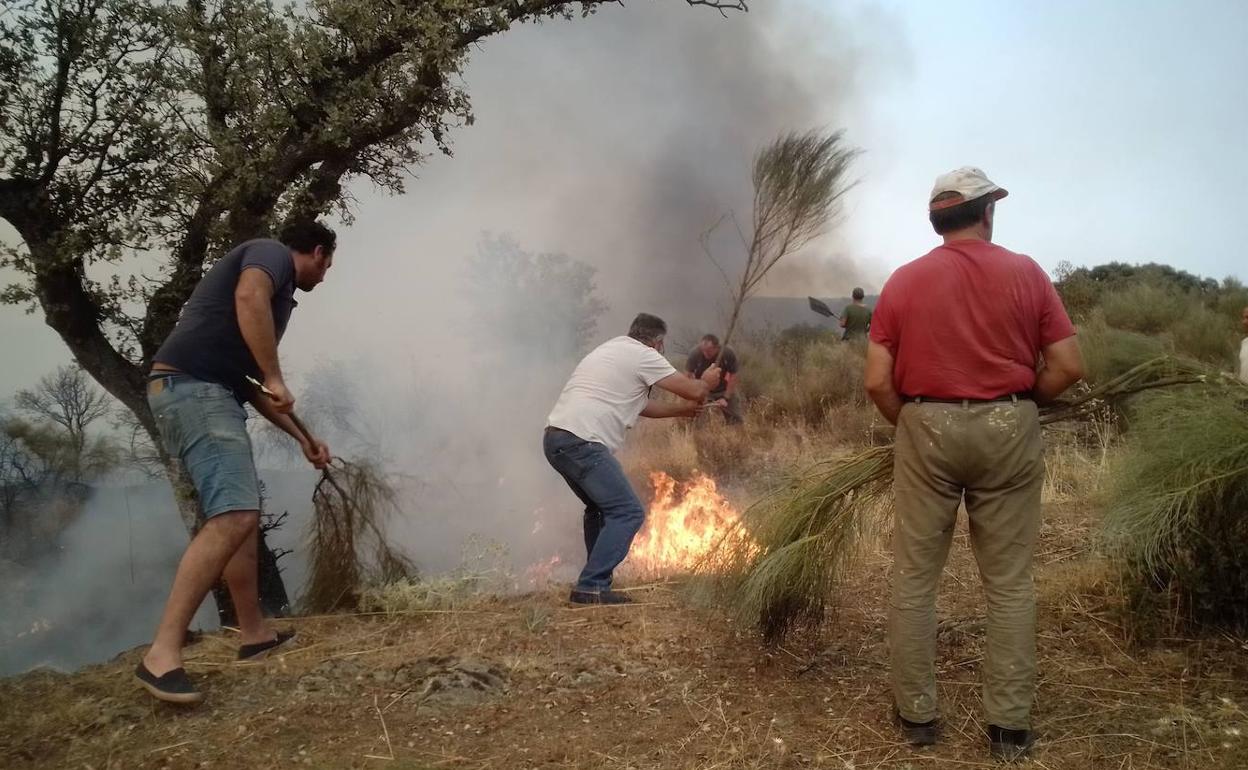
(722, 6)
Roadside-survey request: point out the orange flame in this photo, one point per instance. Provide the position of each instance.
(686, 522)
(542, 573)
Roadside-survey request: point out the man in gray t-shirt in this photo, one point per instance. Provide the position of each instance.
(208, 342)
(228, 332)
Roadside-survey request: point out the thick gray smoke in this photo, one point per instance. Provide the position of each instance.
(615, 140)
(102, 590)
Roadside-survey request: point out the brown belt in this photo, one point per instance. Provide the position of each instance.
(1012, 397)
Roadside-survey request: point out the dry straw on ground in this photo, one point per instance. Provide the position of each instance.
(348, 545)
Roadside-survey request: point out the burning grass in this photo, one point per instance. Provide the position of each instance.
(686, 523)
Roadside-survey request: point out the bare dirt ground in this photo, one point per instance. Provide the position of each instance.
(531, 682)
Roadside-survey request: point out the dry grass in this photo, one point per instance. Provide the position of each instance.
(662, 685)
(481, 574)
(655, 686)
(1077, 460)
(757, 454)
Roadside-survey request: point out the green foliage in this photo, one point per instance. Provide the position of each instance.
(799, 181)
(1109, 352)
(132, 128)
(801, 541)
(1208, 335)
(793, 342)
(49, 455)
(1177, 520)
(54, 443)
(1147, 308)
(1084, 288)
(1187, 315)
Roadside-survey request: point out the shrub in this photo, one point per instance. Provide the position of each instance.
(1144, 307)
(1109, 352)
(792, 343)
(1176, 523)
(1207, 335)
(827, 375)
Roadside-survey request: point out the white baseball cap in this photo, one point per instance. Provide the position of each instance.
(968, 182)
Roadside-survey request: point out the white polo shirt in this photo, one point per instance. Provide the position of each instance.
(608, 390)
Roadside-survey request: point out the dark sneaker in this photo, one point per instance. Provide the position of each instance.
(171, 687)
(261, 650)
(595, 597)
(917, 733)
(1009, 745)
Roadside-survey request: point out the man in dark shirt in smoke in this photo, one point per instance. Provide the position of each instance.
(228, 332)
(725, 394)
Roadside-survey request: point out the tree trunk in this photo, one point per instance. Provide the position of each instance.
(274, 602)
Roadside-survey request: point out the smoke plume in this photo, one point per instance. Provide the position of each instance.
(615, 140)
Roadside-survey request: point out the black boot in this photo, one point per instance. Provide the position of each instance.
(917, 733)
(1008, 745)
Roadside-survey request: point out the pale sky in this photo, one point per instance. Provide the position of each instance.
(1118, 128)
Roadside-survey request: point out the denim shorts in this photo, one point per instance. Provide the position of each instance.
(202, 424)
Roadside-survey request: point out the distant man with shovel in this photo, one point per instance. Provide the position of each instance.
(609, 389)
(856, 317)
(227, 335)
(962, 389)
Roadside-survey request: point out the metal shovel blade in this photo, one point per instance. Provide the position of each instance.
(822, 309)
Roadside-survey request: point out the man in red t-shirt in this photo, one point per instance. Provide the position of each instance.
(964, 342)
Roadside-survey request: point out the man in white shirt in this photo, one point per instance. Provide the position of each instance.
(1243, 348)
(609, 389)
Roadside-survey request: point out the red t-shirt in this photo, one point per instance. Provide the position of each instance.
(968, 320)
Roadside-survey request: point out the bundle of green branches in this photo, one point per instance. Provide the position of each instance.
(348, 544)
(800, 540)
(1176, 522)
(802, 537)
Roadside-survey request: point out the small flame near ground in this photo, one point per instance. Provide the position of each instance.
(542, 573)
(687, 522)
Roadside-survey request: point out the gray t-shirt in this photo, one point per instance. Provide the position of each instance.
(207, 343)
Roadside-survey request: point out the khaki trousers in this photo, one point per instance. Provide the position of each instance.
(991, 454)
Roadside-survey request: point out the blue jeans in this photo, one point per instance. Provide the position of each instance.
(613, 514)
(202, 424)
